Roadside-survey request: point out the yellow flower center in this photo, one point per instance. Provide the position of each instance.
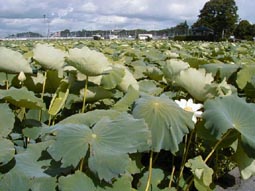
(94, 135)
(188, 108)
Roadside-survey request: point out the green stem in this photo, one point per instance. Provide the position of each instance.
(7, 81)
(216, 145)
(186, 149)
(81, 164)
(172, 174)
(42, 94)
(85, 95)
(150, 172)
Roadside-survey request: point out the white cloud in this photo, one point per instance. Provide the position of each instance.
(23, 15)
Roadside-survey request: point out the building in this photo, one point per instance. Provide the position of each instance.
(145, 36)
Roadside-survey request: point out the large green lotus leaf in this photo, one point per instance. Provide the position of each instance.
(7, 151)
(245, 75)
(245, 164)
(90, 118)
(49, 57)
(173, 67)
(156, 178)
(59, 98)
(202, 173)
(22, 98)
(112, 78)
(88, 62)
(225, 70)
(13, 62)
(231, 112)
(197, 83)
(149, 87)
(7, 120)
(28, 170)
(127, 80)
(71, 143)
(167, 121)
(125, 102)
(76, 182)
(33, 128)
(113, 139)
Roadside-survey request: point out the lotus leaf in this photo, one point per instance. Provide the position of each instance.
(28, 170)
(197, 83)
(108, 140)
(231, 112)
(88, 62)
(202, 173)
(149, 87)
(7, 151)
(59, 98)
(49, 57)
(127, 80)
(225, 70)
(7, 119)
(173, 67)
(245, 164)
(167, 121)
(76, 182)
(22, 98)
(13, 62)
(245, 75)
(112, 77)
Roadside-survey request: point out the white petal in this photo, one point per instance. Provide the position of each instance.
(194, 119)
(197, 106)
(198, 113)
(182, 103)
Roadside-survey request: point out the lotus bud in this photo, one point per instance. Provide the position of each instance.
(22, 76)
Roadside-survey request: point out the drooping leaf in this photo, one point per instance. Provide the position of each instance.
(154, 73)
(112, 77)
(202, 173)
(197, 83)
(225, 70)
(76, 182)
(124, 103)
(49, 57)
(59, 98)
(88, 62)
(7, 120)
(231, 112)
(173, 67)
(166, 120)
(245, 75)
(13, 62)
(22, 98)
(127, 80)
(7, 151)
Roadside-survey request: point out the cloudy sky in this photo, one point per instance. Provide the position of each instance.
(28, 15)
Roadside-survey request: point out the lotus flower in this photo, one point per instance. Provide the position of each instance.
(191, 107)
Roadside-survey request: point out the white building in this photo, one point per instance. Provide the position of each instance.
(144, 36)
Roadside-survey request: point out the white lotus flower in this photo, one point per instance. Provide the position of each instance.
(191, 107)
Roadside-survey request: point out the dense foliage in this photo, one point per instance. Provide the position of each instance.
(219, 15)
(125, 115)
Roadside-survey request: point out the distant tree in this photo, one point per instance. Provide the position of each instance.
(219, 15)
(182, 28)
(65, 33)
(244, 30)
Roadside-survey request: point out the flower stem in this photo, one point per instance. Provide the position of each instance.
(42, 94)
(150, 172)
(216, 145)
(85, 95)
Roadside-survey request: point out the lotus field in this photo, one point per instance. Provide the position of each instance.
(125, 115)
